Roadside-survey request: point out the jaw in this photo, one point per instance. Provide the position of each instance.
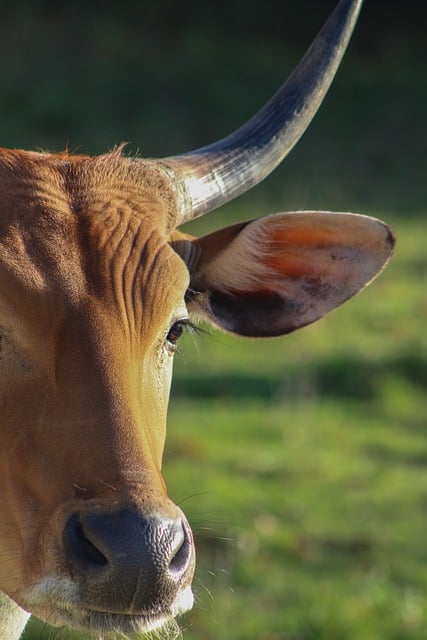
(90, 621)
(56, 601)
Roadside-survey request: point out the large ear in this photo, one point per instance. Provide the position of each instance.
(273, 275)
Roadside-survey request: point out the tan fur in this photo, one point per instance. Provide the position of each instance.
(12, 619)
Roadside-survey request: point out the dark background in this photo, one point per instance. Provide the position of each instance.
(169, 76)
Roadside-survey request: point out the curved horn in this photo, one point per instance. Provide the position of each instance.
(217, 173)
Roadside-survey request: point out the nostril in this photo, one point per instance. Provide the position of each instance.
(79, 547)
(181, 552)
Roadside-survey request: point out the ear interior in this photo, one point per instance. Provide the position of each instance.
(284, 271)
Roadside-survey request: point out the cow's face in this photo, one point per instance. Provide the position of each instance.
(91, 306)
(93, 299)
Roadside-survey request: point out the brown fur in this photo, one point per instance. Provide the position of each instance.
(88, 289)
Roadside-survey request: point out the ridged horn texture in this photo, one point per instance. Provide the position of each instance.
(214, 174)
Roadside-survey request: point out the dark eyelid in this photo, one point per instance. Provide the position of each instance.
(191, 327)
(185, 322)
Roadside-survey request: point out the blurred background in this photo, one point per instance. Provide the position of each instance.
(301, 462)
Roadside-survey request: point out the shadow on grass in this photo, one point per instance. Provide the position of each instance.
(353, 378)
(392, 456)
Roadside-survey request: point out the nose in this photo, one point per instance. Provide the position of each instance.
(126, 562)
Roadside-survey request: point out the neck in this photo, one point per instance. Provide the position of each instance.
(12, 618)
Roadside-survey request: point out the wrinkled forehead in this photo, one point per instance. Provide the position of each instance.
(61, 184)
(79, 228)
(130, 267)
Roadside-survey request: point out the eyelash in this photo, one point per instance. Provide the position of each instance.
(178, 328)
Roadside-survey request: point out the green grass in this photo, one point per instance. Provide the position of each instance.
(309, 456)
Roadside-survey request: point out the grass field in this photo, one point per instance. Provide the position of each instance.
(301, 465)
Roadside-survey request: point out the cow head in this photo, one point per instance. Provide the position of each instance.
(96, 287)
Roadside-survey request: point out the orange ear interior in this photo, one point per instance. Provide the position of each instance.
(296, 251)
(305, 246)
(304, 235)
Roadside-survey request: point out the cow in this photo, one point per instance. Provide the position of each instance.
(97, 285)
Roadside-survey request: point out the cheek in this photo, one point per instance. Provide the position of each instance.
(156, 388)
(162, 379)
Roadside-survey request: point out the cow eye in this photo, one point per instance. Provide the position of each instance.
(174, 334)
